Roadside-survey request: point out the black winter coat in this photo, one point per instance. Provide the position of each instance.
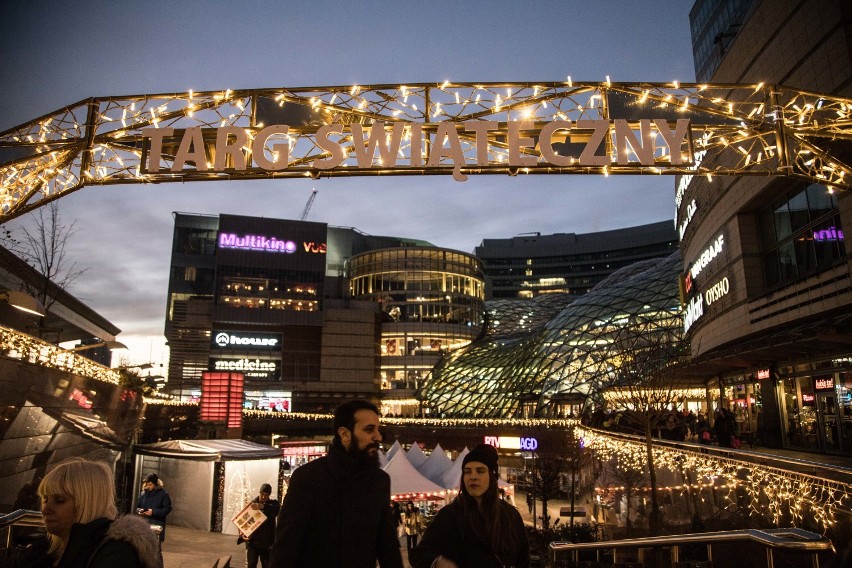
(336, 514)
(264, 535)
(127, 542)
(160, 504)
(450, 535)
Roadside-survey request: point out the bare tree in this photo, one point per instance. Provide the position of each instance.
(631, 479)
(550, 461)
(43, 245)
(646, 386)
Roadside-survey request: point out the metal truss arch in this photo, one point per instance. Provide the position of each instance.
(733, 130)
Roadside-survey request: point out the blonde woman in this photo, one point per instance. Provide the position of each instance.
(83, 526)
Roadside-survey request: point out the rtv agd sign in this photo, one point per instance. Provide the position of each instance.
(523, 443)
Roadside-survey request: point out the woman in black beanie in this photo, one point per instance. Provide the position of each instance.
(478, 529)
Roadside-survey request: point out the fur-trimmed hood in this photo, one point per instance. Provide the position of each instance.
(138, 533)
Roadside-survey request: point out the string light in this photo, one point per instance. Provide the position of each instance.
(808, 118)
(23, 347)
(782, 495)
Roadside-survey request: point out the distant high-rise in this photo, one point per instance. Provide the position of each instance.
(714, 25)
(533, 264)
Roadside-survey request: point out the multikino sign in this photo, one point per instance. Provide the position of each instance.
(528, 144)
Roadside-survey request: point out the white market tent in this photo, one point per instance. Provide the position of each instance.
(452, 476)
(190, 470)
(393, 450)
(406, 480)
(416, 456)
(435, 466)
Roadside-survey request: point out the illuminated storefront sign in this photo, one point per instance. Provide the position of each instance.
(824, 384)
(304, 450)
(255, 242)
(240, 149)
(695, 309)
(762, 374)
(830, 234)
(685, 180)
(527, 444)
(251, 368)
(690, 213)
(707, 255)
(269, 244)
(717, 291)
(241, 340)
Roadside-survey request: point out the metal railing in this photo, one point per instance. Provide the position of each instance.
(798, 547)
(19, 518)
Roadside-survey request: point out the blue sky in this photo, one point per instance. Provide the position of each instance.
(55, 53)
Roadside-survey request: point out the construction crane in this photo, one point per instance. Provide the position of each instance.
(307, 208)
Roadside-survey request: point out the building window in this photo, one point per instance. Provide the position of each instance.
(801, 234)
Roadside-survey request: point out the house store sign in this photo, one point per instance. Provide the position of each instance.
(236, 340)
(242, 149)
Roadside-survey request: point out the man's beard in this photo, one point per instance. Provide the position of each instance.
(363, 456)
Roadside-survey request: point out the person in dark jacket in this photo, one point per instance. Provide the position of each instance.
(83, 526)
(335, 513)
(154, 503)
(478, 529)
(259, 543)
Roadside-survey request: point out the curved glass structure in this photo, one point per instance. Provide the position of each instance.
(432, 302)
(543, 357)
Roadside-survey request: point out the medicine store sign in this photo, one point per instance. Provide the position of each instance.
(251, 368)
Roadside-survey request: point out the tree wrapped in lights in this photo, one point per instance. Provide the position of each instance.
(644, 386)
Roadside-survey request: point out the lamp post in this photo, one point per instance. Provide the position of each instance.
(24, 302)
(112, 345)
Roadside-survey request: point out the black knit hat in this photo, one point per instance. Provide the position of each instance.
(483, 453)
(152, 478)
(266, 488)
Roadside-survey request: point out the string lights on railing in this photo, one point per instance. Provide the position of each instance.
(29, 349)
(782, 495)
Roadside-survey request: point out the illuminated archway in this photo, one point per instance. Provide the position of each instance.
(450, 128)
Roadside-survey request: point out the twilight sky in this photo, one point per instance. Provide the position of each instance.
(55, 53)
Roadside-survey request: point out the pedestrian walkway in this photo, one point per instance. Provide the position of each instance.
(194, 548)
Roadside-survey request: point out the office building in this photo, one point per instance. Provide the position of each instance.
(309, 314)
(533, 264)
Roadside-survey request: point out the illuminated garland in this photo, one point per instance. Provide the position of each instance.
(427, 422)
(624, 396)
(773, 490)
(29, 349)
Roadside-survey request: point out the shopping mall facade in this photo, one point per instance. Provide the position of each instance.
(766, 273)
(312, 314)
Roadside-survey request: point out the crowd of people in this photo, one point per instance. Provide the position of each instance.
(310, 527)
(335, 512)
(676, 425)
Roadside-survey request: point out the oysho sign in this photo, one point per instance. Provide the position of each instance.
(234, 340)
(241, 149)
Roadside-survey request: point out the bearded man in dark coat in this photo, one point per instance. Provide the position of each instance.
(335, 513)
